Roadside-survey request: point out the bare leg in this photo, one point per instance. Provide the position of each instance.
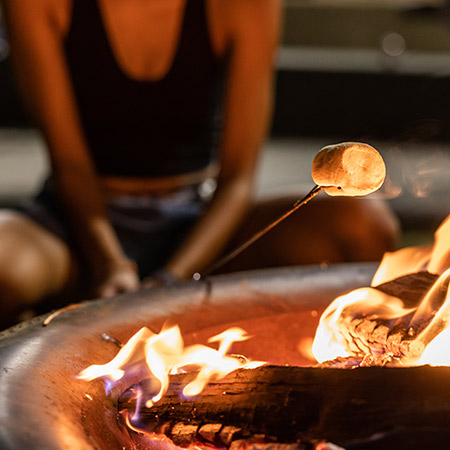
(33, 264)
(326, 230)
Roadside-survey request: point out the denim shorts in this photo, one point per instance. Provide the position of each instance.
(149, 228)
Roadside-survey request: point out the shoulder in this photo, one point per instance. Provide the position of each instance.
(242, 21)
(34, 15)
(239, 7)
(256, 14)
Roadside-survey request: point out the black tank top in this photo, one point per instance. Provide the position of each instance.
(140, 128)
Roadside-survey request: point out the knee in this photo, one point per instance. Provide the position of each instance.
(16, 290)
(367, 229)
(332, 230)
(31, 265)
(19, 280)
(338, 230)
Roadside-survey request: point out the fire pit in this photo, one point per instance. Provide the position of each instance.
(288, 405)
(45, 407)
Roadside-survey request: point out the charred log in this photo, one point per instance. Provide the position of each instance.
(361, 408)
(380, 342)
(410, 288)
(377, 341)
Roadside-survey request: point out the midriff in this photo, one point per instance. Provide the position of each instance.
(113, 186)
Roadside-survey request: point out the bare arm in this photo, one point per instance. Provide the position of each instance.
(35, 32)
(252, 27)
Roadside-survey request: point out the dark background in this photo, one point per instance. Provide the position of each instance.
(339, 78)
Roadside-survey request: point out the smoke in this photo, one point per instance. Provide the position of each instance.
(419, 171)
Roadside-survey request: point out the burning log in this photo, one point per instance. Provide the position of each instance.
(362, 408)
(410, 288)
(382, 333)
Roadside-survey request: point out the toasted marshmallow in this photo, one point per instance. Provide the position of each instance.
(348, 169)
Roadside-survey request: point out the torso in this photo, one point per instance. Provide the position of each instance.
(153, 28)
(145, 52)
(156, 49)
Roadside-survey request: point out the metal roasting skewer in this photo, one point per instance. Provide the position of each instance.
(231, 255)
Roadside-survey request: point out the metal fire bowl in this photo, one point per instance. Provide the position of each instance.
(44, 406)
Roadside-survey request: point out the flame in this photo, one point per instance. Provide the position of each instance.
(332, 336)
(374, 327)
(164, 354)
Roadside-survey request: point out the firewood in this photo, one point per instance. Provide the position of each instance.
(378, 341)
(354, 408)
(410, 288)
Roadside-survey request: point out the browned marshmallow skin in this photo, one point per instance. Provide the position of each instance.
(348, 169)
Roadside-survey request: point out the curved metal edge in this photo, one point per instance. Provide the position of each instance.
(44, 406)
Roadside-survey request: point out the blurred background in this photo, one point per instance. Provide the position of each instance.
(376, 71)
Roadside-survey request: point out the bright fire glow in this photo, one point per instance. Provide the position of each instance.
(332, 336)
(367, 323)
(164, 354)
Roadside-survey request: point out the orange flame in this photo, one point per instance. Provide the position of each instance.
(336, 335)
(164, 354)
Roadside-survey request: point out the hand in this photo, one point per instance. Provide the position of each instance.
(118, 278)
(161, 277)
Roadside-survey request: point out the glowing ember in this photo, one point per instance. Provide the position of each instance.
(164, 354)
(371, 327)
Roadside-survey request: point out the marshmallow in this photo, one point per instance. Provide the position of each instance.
(348, 169)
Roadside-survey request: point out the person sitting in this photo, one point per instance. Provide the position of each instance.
(153, 114)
